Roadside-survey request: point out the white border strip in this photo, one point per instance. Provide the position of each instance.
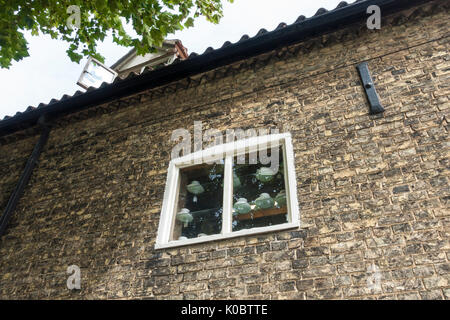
(240, 233)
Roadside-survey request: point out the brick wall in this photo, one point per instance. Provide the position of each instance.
(373, 190)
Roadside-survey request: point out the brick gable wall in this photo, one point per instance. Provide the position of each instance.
(373, 190)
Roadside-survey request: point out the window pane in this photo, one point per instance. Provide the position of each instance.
(259, 197)
(200, 202)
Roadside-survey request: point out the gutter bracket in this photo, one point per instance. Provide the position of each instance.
(369, 87)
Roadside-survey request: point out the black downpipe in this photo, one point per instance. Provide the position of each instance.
(25, 177)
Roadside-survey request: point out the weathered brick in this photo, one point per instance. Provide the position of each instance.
(253, 289)
(279, 245)
(300, 263)
(400, 189)
(192, 286)
(287, 286)
(436, 282)
(214, 284)
(431, 295)
(319, 271)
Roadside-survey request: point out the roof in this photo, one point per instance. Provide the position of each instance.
(303, 28)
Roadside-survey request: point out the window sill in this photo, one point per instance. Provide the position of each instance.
(240, 233)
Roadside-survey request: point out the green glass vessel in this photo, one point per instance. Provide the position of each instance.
(242, 206)
(265, 174)
(195, 188)
(184, 216)
(280, 198)
(264, 201)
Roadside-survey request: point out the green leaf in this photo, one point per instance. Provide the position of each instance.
(152, 20)
(189, 22)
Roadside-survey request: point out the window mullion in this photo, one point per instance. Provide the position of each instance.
(169, 216)
(227, 195)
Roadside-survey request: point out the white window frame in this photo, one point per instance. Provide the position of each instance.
(227, 152)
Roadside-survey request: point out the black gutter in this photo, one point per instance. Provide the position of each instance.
(294, 33)
(25, 177)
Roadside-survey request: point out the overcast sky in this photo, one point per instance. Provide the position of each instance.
(48, 72)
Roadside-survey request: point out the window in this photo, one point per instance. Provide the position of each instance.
(239, 188)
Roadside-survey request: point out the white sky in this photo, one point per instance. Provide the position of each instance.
(49, 73)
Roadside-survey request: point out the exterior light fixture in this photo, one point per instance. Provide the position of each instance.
(95, 73)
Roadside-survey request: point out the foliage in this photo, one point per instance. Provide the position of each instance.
(152, 20)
